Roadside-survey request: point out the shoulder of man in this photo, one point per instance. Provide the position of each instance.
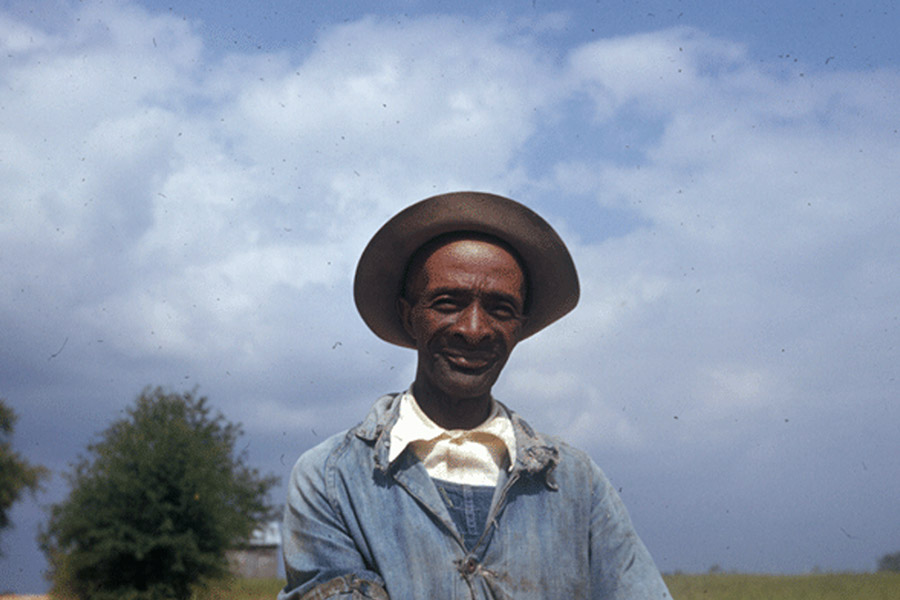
(567, 454)
(573, 460)
(569, 460)
(330, 451)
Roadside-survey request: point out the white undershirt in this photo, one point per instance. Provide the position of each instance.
(467, 456)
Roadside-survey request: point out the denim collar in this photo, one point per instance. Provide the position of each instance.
(534, 453)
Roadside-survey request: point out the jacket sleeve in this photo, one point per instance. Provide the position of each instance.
(320, 557)
(621, 566)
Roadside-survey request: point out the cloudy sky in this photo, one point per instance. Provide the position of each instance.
(184, 193)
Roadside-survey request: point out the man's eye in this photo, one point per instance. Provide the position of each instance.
(445, 305)
(504, 312)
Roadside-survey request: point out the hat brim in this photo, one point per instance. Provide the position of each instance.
(553, 281)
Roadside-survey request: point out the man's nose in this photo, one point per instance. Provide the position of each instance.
(473, 324)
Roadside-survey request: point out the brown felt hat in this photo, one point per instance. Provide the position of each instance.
(552, 280)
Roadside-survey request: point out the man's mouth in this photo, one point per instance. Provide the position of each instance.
(468, 360)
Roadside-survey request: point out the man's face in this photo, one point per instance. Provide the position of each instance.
(464, 309)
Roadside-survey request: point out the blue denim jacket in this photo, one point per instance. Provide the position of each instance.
(356, 526)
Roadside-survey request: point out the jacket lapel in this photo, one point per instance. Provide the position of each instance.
(412, 477)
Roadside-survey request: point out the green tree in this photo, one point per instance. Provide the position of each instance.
(16, 474)
(155, 504)
(890, 562)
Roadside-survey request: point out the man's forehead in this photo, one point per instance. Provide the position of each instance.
(466, 265)
(465, 246)
(463, 250)
(473, 258)
(471, 251)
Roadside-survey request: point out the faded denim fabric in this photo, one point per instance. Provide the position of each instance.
(356, 526)
(468, 506)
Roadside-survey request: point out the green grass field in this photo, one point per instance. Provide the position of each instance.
(829, 586)
(724, 586)
(244, 589)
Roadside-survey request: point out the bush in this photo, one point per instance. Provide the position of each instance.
(16, 474)
(155, 504)
(890, 562)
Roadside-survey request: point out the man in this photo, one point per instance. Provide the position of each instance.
(443, 492)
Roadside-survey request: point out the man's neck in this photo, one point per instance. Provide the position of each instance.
(451, 413)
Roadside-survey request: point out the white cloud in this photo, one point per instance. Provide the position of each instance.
(656, 71)
(216, 199)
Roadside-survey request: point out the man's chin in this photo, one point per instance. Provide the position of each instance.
(463, 386)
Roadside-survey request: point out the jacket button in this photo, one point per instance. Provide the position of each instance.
(471, 565)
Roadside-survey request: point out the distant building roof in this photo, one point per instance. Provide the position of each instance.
(267, 535)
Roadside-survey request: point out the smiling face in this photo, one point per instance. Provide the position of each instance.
(464, 307)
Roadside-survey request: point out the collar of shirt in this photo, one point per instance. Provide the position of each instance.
(467, 456)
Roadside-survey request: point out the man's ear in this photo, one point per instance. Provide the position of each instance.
(404, 308)
(522, 322)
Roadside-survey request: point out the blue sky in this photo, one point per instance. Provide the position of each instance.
(185, 192)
